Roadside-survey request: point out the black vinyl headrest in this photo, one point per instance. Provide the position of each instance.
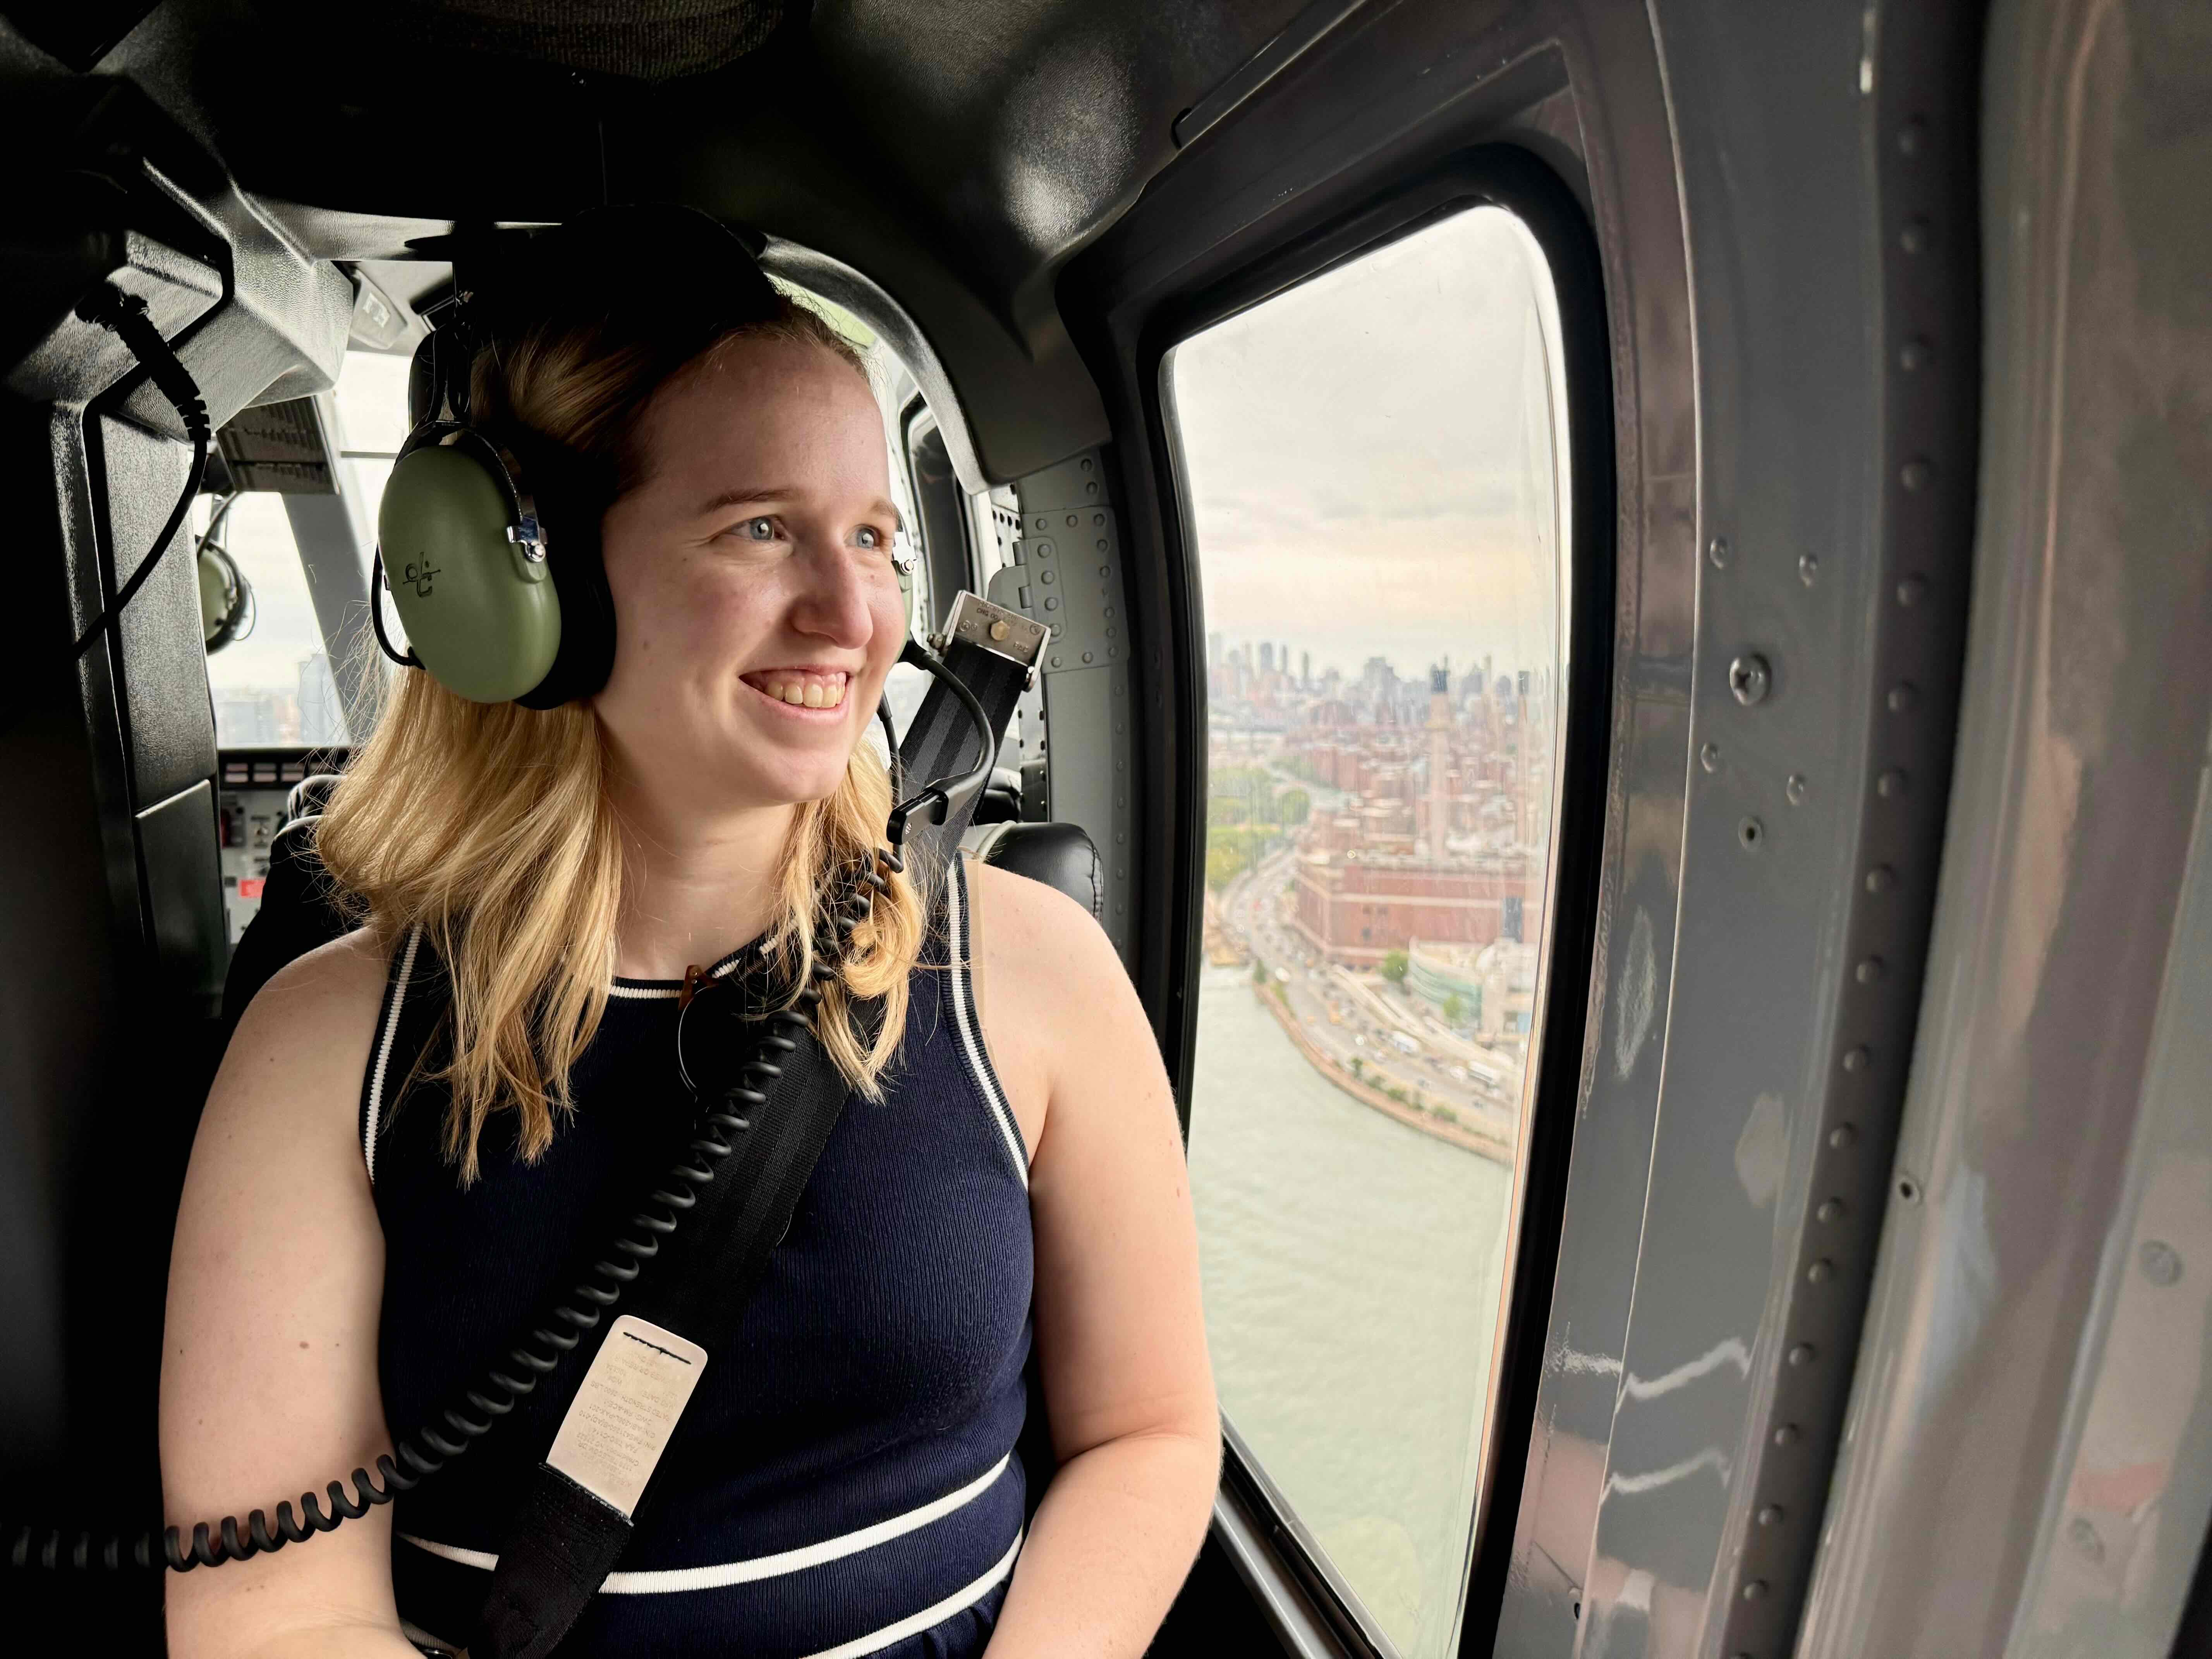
(1058, 854)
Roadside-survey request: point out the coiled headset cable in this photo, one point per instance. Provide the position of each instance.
(125, 314)
(413, 1458)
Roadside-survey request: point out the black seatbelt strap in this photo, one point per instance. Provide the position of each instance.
(994, 652)
(564, 1539)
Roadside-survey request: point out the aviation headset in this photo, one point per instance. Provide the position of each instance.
(488, 534)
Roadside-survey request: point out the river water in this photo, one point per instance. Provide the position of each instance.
(1352, 1272)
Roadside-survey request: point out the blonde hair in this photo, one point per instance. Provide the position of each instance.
(489, 826)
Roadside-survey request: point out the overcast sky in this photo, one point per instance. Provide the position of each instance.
(1370, 457)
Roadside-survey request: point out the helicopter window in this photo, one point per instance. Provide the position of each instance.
(271, 680)
(1373, 467)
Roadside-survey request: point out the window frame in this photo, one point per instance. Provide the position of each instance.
(1510, 177)
(956, 563)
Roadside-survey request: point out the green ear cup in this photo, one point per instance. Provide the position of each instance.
(482, 617)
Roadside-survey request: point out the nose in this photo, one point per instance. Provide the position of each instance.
(832, 601)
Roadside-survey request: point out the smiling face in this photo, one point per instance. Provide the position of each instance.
(756, 609)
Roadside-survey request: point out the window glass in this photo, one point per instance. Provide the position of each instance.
(271, 683)
(1373, 463)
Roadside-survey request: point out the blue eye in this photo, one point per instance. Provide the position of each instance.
(758, 530)
(874, 537)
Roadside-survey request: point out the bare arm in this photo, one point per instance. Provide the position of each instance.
(1119, 1335)
(269, 1384)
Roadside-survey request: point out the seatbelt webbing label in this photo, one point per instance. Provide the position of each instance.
(620, 1421)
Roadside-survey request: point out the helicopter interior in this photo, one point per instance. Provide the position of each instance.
(1624, 591)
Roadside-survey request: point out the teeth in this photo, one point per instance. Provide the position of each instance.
(806, 692)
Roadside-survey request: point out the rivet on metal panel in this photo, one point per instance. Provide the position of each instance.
(1915, 356)
(1769, 1515)
(1830, 1212)
(1749, 679)
(1904, 697)
(1073, 520)
(1103, 545)
(1750, 832)
(1808, 568)
(1056, 662)
(1916, 473)
(1105, 570)
(1844, 1137)
(1908, 1189)
(999, 630)
(1086, 656)
(1911, 591)
(1717, 550)
(1041, 523)
(1044, 576)
(1802, 1355)
(1052, 602)
(1857, 1060)
(1097, 519)
(1794, 790)
(1890, 785)
(1709, 758)
(1880, 878)
(2162, 1262)
(1755, 1590)
(1044, 549)
(1869, 972)
(1820, 1272)
(1786, 1434)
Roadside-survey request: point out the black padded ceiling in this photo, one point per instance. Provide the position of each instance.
(957, 153)
(640, 39)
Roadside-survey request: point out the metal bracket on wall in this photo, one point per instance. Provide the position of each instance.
(1060, 541)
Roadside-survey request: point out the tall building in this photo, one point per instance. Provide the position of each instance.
(1439, 727)
(1305, 671)
(1266, 658)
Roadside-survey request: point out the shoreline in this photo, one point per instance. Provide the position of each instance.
(1455, 1134)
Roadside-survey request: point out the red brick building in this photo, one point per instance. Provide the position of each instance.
(1355, 909)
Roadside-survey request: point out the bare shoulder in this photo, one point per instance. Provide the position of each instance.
(307, 1031)
(1039, 932)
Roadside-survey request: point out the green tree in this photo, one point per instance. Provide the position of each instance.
(1224, 864)
(1259, 971)
(1358, 1066)
(1394, 967)
(1292, 807)
(1454, 1009)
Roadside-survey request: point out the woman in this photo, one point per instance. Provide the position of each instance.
(419, 1127)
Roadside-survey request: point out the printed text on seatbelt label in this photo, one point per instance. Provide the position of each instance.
(619, 1425)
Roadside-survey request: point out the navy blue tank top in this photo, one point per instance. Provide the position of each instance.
(844, 1481)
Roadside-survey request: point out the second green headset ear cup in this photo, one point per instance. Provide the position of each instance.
(484, 619)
